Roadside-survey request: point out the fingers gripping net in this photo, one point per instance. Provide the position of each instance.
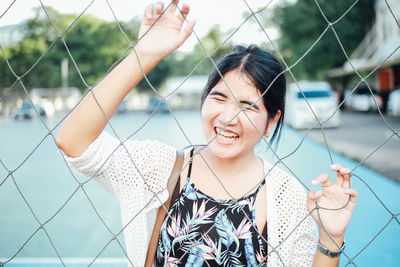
(80, 186)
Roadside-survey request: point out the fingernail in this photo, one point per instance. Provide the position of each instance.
(333, 166)
(158, 6)
(346, 191)
(318, 193)
(314, 182)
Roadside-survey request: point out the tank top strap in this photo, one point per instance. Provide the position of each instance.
(190, 163)
(259, 187)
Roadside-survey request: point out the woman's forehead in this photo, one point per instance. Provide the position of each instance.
(237, 84)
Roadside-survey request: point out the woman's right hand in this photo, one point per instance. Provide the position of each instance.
(161, 33)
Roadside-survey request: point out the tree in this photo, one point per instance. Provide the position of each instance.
(182, 63)
(301, 23)
(94, 44)
(213, 43)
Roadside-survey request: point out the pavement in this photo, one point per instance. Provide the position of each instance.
(366, 138)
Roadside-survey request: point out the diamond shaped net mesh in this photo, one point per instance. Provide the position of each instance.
(80, 187)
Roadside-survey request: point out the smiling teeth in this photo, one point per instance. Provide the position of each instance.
(227, 134)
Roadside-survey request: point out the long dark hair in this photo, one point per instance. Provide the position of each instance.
(263, 70)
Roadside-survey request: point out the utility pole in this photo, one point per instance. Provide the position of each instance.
(64, 73)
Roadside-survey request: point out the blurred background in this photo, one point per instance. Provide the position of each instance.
(343, 65)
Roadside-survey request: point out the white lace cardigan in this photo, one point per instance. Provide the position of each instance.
(137, 173)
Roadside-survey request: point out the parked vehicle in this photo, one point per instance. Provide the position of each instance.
(322, 100)
(154, 103)
(362, 99)
(26, 111)
(393, 105)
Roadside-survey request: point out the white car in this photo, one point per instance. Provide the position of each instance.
(362, 99)
(322, 100)
(393, 104)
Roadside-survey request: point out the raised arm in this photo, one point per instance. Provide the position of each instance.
(157, 41)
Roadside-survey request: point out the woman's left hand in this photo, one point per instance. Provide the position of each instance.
(332, 196)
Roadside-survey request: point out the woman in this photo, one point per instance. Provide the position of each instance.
(211, 221)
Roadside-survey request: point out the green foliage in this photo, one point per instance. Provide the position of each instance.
(301, 23)
(94, 44)
(156, 77)
(21, 57)
(214, 44)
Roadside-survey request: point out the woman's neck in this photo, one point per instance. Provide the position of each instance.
(230, 166)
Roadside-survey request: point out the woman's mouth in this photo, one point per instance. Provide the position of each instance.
(225, 136)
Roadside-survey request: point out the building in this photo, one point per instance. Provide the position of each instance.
(185, 91)
(55, 99)
(11, 34)
(380, 50)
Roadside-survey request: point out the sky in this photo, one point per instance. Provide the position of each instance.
(227, 13)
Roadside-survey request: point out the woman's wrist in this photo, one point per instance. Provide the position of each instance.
(330, 242)
(146, 62)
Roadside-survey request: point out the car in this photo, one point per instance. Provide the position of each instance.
(393, 104)
(322, 99)
(26, 111)
(154, 104)
(361, 99)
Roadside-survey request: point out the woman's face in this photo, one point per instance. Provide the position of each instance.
(220, 109)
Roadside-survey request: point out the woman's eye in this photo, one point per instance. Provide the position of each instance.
(247, 107)
(219, 99)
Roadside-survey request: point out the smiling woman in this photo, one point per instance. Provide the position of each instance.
(235, 132)
(225, 192)
(248, 102)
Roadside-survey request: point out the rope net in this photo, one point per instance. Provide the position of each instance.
(42, 225)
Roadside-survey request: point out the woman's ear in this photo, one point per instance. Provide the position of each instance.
(272, 122)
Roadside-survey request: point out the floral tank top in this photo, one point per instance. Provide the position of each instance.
(203, 231)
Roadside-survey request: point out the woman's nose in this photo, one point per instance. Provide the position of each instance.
(229, 115)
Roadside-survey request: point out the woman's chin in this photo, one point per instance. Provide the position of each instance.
(224, 150)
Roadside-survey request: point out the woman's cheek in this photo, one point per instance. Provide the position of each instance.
(210, 110)
(258, 124)
(206, 116)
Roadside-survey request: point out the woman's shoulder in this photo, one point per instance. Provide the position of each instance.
(106, 149)
(140, 146)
